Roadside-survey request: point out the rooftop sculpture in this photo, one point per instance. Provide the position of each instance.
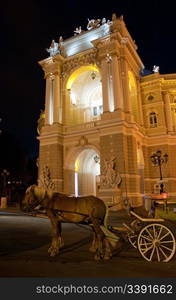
(53, 49)
(155, 69)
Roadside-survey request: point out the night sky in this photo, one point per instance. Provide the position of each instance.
(27, 28)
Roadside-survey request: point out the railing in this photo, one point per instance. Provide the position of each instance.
(169, 76)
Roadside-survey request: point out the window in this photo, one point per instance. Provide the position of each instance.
(153, 119)
(101, 109)
(95, 111)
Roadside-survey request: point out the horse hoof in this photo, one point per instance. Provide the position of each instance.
(97, 257)
(52, 254)
(106, 257)
(52, 251)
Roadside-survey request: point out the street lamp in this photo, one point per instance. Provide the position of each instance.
(158, 159)
(4, 175)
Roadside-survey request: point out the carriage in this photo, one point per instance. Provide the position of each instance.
(154, 237)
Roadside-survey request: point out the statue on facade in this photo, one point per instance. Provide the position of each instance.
(45, 180)
(92, 24)
(155, 69)
(61, 47)
(108, 22)
(78, 30)
(60, 40)
(103, 21)
(53, 49)
(114, 17)
(109, 176)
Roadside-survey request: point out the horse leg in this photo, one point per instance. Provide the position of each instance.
(56, 235)
(108, 252)
(61, 241)
(100, 237)
(94, 245)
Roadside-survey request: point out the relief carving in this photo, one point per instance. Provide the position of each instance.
(109, 177)
(71, 64)
(45, 180)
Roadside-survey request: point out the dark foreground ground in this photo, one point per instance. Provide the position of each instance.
(24, 241)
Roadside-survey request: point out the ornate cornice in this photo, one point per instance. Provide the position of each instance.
(84, 58)
(52, 65)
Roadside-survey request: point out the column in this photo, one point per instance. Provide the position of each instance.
(174, 118)
(47, 99)
(105, 85)
(57, 99)
(141, 118)
(168, 112)
(125, 83)
(117, 86)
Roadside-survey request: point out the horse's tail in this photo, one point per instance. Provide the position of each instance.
(113, 238)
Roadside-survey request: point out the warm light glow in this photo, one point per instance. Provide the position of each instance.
(132, 83)
(77, 165)
(77, 72)
(133, 95)
(73, 97)
(76, 184)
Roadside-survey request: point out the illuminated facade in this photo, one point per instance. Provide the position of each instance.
(103, 120)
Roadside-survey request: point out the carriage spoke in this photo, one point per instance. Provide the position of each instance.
(145, 244)
(157, 252)
(166, 242)
(159, 233)
(154, 231)
(169, 249)
(146, 237)
(149, 233)
(163, 253)
(151, 255)
(168, 233)
(146, 250)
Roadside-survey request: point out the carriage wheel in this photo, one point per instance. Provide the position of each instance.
(156, 242)
(132, 237)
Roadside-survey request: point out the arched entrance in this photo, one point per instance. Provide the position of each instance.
(85, 165)
(83, 102)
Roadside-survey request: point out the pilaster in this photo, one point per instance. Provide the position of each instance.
(168, 112)
(57, 113)
(105, 85)
(125, 86)
(116, 83)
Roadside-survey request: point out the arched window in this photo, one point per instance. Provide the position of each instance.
(153, 119)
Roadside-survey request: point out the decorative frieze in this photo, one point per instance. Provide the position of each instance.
(79, 60)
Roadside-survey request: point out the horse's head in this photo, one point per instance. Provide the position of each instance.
(34, 196)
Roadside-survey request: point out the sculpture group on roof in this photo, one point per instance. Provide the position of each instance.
(57, 48)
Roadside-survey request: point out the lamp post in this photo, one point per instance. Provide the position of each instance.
(158, 159)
